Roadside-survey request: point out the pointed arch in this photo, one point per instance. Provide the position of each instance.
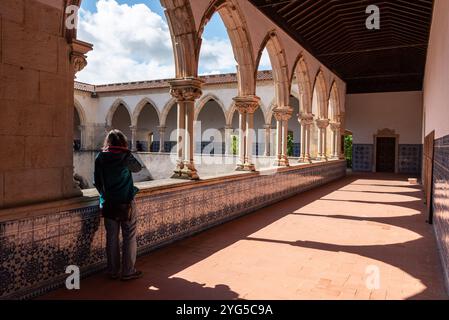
(319, 96)
(184, 36)
(113, 108)
(145, 101)
(204, 100)
(269, 112)
(334, 103)
(82, 115)
(301, 72)
(166, 111)
(235, 24)
(279, 65)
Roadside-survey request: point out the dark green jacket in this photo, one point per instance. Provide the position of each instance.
(113, 176)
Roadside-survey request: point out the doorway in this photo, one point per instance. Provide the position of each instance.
(386, 154)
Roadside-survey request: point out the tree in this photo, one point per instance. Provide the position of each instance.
(235, 145)
(290, 144)
(348, 151)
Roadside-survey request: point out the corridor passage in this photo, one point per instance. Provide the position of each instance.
(364, 237)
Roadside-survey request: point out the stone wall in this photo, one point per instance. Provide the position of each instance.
(36, 250)
(36, 98)
(409, 158)
(441, 200)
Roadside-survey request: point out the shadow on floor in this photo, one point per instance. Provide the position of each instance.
(161, 266)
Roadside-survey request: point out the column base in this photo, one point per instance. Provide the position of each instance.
(185, 172)
(305, 160)
(283, 162)
(246, 167)
(322, 158)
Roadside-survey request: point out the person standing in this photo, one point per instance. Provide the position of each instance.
(113, 180)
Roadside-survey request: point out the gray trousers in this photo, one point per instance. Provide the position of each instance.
(129, 247)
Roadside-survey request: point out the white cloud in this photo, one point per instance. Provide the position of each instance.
(265, 63)
(216, 56)
(133, 43)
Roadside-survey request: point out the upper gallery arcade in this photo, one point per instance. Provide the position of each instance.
(49, 79)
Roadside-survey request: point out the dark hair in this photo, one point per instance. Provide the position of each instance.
(115, 138)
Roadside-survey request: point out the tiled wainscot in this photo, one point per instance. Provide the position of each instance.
(441, 200)
(36, 251)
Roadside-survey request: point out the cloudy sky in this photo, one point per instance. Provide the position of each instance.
(132, 43)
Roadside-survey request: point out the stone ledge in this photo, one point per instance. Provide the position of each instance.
(90, 197)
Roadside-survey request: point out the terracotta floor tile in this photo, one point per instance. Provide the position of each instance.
(317, 245)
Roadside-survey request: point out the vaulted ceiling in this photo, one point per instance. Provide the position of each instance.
(389, 59)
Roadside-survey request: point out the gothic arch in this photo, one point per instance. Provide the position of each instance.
(184, 37)
(82, 115)
(320, 94)
(112, 110)
(139, 108)
(165, 111)
(204, 100)
(301, 72)
(239, 36)
(269, 112)
(334, 103)
(280, 67)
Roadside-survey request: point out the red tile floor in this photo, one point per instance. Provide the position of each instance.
(363, 237)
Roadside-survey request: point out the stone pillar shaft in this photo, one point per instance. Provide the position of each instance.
(335, 127)
(306, 121)
(186, 91)
(322, 125)
(267, 140)
(246, 107)
(242, 138)
(162, 139)
(249, 138)
(282, 115)
(133, 138)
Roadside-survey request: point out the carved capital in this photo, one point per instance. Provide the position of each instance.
(322, 123)
(188, 89)
(282, 113)
(78, 56)
(335, 126)
(248, 104)
(306, 119)
(78, 61)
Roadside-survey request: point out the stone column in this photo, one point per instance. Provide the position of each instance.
(83, 143)
(341, 132)
(322, 125)
(186, 91)
(282, 115)
(242, 139)
(161, 138)
(246, 107)
(306, 121)
(133, 138)
(267, 128)
(228, 141)
(278, 140)
(335, 127)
